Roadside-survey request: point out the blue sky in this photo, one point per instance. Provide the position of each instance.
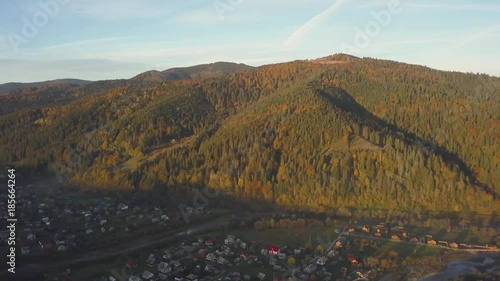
(108, 39)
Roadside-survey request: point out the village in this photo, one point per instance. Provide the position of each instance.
(61, 227)
(230, 258)
(59, 224)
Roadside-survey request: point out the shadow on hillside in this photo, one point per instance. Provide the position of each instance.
(346, 102)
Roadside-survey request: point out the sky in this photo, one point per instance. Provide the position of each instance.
(113, 39)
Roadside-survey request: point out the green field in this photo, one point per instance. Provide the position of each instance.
(458, 236)
(288, 237)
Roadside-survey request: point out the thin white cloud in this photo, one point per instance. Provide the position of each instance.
(398, 43)
(82, 43)
(479, 35)
(461, 7)
(118, 9)
(299, 34)
(140, 53)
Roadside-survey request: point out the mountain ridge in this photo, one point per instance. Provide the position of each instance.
(199, 71)
(9, 86)
(263, 133)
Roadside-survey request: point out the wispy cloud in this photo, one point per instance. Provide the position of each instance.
(399, 43)
(82, 43)
(299, 34)
(481, 34)
(453, 6)
(118, 9)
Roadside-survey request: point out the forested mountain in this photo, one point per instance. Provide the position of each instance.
(14, 86)
(192, 72)
(54, 94)
(334, 132)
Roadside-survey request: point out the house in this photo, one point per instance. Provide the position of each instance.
(210, 257)
(322, 261)
(152, 260)
(229, 240)
(332, 253)
(103, 222)
(310, 268)
(175, 264)
(211, 269)
(453, 245)
(338, 244)
(122, 206)
(296, 251)
(209, 242)
(352, 259)
(221, 261)
(31, 237)
(192, 277)
(350, 229)
(395, 237)
(162, 276)
(443, 243)
(202, 253)
(432, 242)
(365, 228)
(261, 276)
(281, 256)
(273, 250)
(414, 240)
(244, 256)
(134, 278)
(146, 275)
(381, 230)
(243, 245)
(164, 268)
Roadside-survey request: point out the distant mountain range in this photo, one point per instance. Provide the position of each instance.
(335, 132)
(193, 72)
(15, 85)
(14, 96)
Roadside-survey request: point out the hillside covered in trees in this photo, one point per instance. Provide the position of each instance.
(334, 132)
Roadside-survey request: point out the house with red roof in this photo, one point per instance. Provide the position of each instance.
(273, 250)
